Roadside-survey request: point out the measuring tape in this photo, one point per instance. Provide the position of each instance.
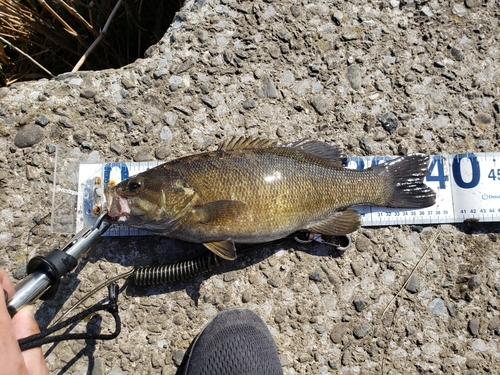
(467, 187)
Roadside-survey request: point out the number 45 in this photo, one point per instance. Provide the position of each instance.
(494, 175)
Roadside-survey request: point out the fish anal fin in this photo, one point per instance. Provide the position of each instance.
(340, 223)
(219, 211)
(331, 153)
(240, 143)
(224, 249)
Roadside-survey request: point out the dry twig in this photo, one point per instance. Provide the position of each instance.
(27, 56)
(99, 38)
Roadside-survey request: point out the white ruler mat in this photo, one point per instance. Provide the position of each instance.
(467, 187)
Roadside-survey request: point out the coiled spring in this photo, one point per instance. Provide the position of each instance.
(175, 272)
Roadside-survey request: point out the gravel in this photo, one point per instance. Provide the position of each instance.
(409, 77)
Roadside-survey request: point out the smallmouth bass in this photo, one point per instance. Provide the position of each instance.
(253, 191)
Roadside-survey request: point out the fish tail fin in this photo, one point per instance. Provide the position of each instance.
(406, 188)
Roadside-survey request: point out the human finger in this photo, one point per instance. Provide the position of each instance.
(25, 325)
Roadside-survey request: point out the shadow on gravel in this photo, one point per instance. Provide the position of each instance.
(148, 251)
(156, 251)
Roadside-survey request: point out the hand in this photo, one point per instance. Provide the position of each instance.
(23, 324)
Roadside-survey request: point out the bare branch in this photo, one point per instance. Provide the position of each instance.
(99, 38)
(26, 55)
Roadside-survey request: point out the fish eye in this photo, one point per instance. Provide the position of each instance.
(134, 185)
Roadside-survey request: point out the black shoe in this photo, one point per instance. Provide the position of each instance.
(235, 342)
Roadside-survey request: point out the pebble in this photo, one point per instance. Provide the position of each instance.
(451, 76)
(208, 101)
(354, 76)
(229, 276)
(316, 276)
(410, 77)
(28, 136)
(178, 356)
(338, 16)
(357, 268)
(320, 329)
(183, 110)
(362, 330)
(349, 35)
(426, 11)
(413, 284)
(388, 277)
(366, 144)
(124, 110)
(482, 120)
(320, 104)
(284, 35)
(437, 306)
(249, 103)
(87, 94)
(346, 358)
(452, 310)
(128, 84)
(274, 281)
(479, 345)
(166, 134)
(157, 74)
(473, 326)
(117, 370)
(360, 304)
(457, 54)
(459, 10)
(50, 149)
(338, 333)
(268, 90)
(364, 244)
(472, 3)
(474, 282)
(162, 152)
(80, 137)
(333, 364)
(389, 122)
(42, 120)
(441, 121)
(117, 148)
(246, 296)
(296, 11)
(493, 303)
(228, 56)
(143, 154)
(494, 324)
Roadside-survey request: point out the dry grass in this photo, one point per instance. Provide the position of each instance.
(57, 33)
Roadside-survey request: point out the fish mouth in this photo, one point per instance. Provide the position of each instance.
(118, 208)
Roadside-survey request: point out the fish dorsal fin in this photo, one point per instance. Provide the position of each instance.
(340, 223)
(240, 143)
(331, 153)
(224, 249)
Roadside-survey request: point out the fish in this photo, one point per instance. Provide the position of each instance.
(254, 191)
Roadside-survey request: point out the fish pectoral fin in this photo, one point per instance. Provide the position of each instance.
(219, 211)
(340, 223)
(224, 249)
